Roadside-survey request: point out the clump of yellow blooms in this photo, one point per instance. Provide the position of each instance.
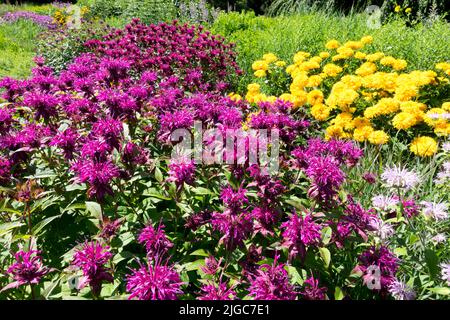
(423, 146)
(363, 95)
(63, 16)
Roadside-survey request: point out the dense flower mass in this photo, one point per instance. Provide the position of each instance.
(361, 95)
(127, 148)
(42, 20)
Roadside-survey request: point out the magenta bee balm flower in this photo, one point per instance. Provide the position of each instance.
(28, 269)
(91, 258)
(154, 282)
(271, 282)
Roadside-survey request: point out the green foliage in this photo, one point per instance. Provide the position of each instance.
(59, 48)
(17, 44)
(149, 11)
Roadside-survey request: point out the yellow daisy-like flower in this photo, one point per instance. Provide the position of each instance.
(374, 56)
(320, 112)
(324, 54)
(363, 133)
(397, 8)
(253, 87)
(360, 55)
(404, 121)
(280, 63)
(378, 137)
(399, 64)
(332, 70)
(446, 106)
(361, 122)
(270, 57)
(332, 44)
(366, 69)
(423, 146)
(260, 73)
(235, 97)
(366, 39)
(314, 81)
(334, 131)
(315, 97)
(260, 65)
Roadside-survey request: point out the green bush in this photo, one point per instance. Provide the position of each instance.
(17, 45)
(60, 47)
(149, 11)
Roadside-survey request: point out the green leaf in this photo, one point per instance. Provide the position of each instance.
(75, 206)
(326, 256)
(6, 227)
(202, 191)
(94, 209)
(401, 251)
(338, 294)
(158, 175)
(441, 290)
(326, 235)
(200, 252)
(432, 262)
(190, 266)
(294, 275)
(40, 225)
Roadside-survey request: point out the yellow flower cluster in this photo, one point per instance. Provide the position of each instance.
(63, 16)
(363, 95)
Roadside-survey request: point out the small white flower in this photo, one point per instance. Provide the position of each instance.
(380, 228)
(397, 177)
(401, 291)
(439, 238)
(435, 210)
(384, 202)
(445, 272)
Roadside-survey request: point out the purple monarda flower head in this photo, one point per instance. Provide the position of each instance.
(311, 290)
(154, 282)
(181, 171)
(300, 232)
(98, 175)
(91, 258)
(401, 291)
(235, 228)
(211, 265)
(66, 140)
(155, 241)
(326, 177)
(43, 104)
(384, 260)
(133, 154)
(5, 170)
(233, 199)
(109, 228)
(369, 177)
(28, 269)
(271, 282)
(220, 291)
